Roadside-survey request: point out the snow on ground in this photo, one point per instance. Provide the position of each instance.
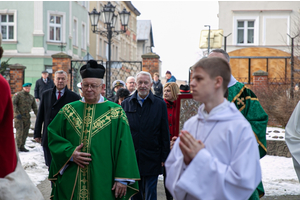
(279, 176)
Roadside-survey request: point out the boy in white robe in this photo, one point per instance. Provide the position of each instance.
(216, 155)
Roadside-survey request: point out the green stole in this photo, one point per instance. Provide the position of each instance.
(248, 104)
(104, 131)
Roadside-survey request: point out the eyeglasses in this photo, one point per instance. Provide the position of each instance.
(92, 86)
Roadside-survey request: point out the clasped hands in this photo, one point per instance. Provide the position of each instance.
(82, 159)
(189, 146)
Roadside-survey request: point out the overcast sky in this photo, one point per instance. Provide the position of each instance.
(176, 27)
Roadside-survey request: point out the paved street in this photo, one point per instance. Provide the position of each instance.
(44, 187)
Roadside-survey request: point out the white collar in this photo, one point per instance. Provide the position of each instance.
(232, 81)
(215, 110)
(100, 100)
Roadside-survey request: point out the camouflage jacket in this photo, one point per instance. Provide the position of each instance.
(23, 102)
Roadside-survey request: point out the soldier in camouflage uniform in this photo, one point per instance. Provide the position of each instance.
(23, 102)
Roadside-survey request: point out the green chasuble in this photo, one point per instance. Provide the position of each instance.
(248, 104)
(104, 131)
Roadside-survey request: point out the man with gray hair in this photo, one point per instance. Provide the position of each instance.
(130, 84)
(52, 101)
(91, 145)
(148, 121)
(248, 104)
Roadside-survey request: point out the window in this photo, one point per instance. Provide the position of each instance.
(55, 25)
(245, 32)
(75, 32)
(83, 37)
(7, 23)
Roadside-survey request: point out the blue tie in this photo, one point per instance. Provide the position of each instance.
(142, 100)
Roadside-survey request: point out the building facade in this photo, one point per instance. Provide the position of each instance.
(259, 23)
(124, 45)
(259, 37)
(144, 37)
(32, 31)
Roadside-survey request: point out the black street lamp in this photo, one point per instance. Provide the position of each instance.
(110, 21)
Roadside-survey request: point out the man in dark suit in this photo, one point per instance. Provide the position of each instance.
(42, 84)
(148, 120)
(52, 101)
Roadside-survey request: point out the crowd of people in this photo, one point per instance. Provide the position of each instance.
(116, 146)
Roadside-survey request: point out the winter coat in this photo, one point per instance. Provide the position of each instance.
(49, 107)
(41, 86)
(171, 108)
(172, 79)
(150, 132)
(158, 88)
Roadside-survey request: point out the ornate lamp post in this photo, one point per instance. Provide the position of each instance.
(109, 20)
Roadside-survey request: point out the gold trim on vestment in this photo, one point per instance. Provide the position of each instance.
(73, 118)
(259, 142)
(240, 92)
(84, 173)
(65, 163)
(242, 108)
(105, 119)
(133, 188)
(75, 182)
(251, 98)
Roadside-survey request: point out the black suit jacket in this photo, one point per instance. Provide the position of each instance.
(41, 86)
(49, 107)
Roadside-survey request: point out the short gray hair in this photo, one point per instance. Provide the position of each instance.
(143, 73)
(225, 54)
(129, 78)
(61, 72)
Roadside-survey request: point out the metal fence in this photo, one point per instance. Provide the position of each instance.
(120, 70)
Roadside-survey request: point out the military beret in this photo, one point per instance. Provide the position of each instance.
(92, 70)
(27, 85)
(45, 71)
(117, 83)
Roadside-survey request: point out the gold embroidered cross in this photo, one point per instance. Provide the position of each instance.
(240, 101)
(89, 109)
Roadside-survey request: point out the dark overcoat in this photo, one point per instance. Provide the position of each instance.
(150, 132)
(49, 107)
(41, 86)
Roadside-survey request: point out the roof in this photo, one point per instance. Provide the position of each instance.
(144, 31)
(132, 8)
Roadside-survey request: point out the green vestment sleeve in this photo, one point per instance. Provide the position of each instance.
(104, 131)
(248, 104)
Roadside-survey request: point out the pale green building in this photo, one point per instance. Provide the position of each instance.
(32, 31)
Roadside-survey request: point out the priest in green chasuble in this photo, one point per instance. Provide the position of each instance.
(248, 104)
(91, 145)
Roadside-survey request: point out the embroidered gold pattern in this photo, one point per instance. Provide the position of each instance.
(84, 174)
(86, 128)
(240, 92)
(240, 101)
(73, 118)
(105, 119)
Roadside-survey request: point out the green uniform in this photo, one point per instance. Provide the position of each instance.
(23, 102)
(104, 131)
(248, 104)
